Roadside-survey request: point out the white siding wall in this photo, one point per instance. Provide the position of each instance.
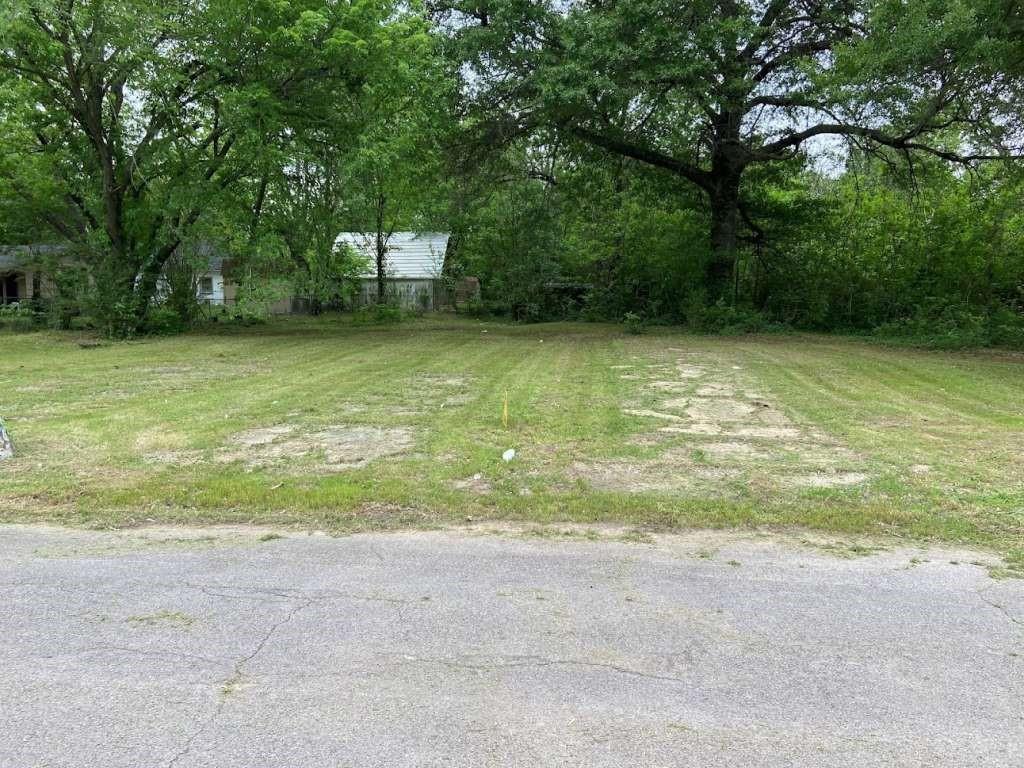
(217, 296)
(411, 255)
(410, 294)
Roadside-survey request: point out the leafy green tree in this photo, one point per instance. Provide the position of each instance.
(134, 117)
(711, 89)
(394, 172)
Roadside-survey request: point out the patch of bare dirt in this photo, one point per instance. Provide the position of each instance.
(726, 450)
(687, 371)
(252, 438)
(343, 447)
(653, 414)
(477, 484)
(444, 380)
(694, 428)
(641, 476)
(714, 389)
(824, 480)
(718, 425)
(173, 458)
(782, 434)
(670, 386)
(356, 446)
(715, 410)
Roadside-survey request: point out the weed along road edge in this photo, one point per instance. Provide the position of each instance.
(533, 647)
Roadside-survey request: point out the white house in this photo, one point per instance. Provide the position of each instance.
(209, 281)
(414, 266)
(22, 276)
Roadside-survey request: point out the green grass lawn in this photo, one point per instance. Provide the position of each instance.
(330, 425)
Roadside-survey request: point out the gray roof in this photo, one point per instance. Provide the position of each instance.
(411, 255)
(24, 255)
(14, 256)
(213, 253)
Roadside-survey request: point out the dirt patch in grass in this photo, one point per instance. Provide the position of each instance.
(477, 484)
(677, 476)
(444, 380)
(343, 447)
(708, 409)
(177, 458)
(252, 438)
(726, 450)
(356, 446)
(721, 427)
(768, 433)
(668, 386)
(716, 390)
(653, 414)
(823, 480)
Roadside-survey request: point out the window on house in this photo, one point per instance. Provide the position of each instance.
(205, 286)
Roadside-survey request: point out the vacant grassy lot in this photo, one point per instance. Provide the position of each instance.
(330, 425)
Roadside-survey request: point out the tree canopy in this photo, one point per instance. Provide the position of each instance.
(726, 163)
(127, 119)
(706, 90)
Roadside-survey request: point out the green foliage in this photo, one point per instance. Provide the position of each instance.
(475, 308)
(18, 316)
(727, 319)
(634, 323)
(331, 278)
(378, 314)
(164, 320)
(515, 250)
(869, 249)
(126, 148)
(596, 163)
(714, 93)
(957, 327)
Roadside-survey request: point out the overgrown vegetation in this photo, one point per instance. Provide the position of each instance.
(736, 167)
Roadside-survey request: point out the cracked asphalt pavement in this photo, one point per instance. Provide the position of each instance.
(231, 647)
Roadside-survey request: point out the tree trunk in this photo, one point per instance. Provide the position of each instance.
(381, 248)
(725, 213)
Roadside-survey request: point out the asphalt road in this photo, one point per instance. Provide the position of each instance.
(198, 648)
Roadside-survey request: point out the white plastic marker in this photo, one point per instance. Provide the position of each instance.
(6, 444)
(509, 454)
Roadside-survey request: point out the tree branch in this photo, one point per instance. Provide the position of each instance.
(645, 155)
(774, 150)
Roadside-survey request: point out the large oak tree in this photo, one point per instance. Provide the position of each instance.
(708, 89)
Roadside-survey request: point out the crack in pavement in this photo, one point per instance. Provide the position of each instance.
(246, 593)
(235, 676)
(998, 606)
(541, 661)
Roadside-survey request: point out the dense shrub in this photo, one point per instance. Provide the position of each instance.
(634, 323)
(164, 320)
(957, 327)
(379, 314)
(728, 319)
(19, 316)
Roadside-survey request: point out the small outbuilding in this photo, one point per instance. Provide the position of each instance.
(414, 266)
